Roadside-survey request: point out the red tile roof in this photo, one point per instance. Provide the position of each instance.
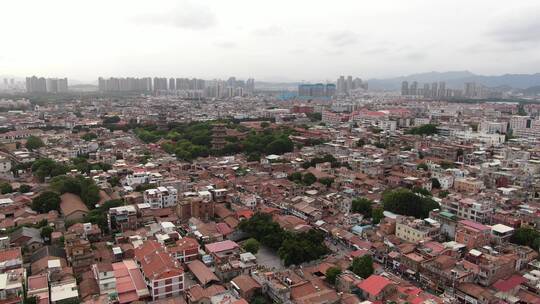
(221, 246)
(509, 284)
(155, 262)
(201, 272)
(374, 284)
(474, 225)
(39, 281)
(10, 254)
(185, 243)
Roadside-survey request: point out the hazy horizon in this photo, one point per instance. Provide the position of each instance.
(269, 41)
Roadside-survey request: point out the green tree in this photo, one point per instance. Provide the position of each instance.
(25, 188)
(79, 185)
(114, 181)
(31, 300)
(46, 201)
(258, 300)
(422, 166)
(308, 179)
(447, 165)
(251, 245)
(327, 181)
(98, 215)
(255, 156)
(314, 117)
(111, 119)
(435, 183)
(443, 193)
(45, 167)
(292, 248)
(46, 233)
(362, 266)
(421, 191)
(280, 146)
(405, 202)
(295, 177)
(6, 188)
(89, 136)
(331, 274)
(33, 143)
(363, 206)
(377, 215)
(526, 236)
(428, 129)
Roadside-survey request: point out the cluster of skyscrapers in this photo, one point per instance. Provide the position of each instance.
(345, 86)
(475, 90)
(46, 85)
(439, 90)
(9, 82)
(436, 89)
(317, 90)
(191, 88)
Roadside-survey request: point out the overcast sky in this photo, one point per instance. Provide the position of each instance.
(269, 40)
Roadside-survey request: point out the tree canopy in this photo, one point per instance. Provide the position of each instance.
(25, 188)
(363, 206)
(251, 245)
(98, 215)
(45, 167)
(191, 140)
(89, 136)
(6, 188)
(292, 248)
(46, 201)
(527, 236)
(405, 202)
(111, 119)
(82, 165)
(377, 215)
(422, 166)
(33, 143)
(428, 129)
(362, 266)
(331, 274)
(79, 185)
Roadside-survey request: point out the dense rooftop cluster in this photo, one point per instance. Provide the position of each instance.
(370, 199)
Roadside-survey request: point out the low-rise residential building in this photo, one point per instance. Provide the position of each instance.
(163, 274)
(472, 234)
(161, 197)
(415, 230)
(122, 218)
(468, 185)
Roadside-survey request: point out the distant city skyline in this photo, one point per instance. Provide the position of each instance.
(270, 41)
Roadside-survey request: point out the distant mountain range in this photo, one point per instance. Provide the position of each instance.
(457, 79)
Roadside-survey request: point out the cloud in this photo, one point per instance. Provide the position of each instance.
(273, 30)
(185, 15)
(333, 52)
(523, 27)
(375, 51)
(417, 56)
(342, 38)
(226, 44)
